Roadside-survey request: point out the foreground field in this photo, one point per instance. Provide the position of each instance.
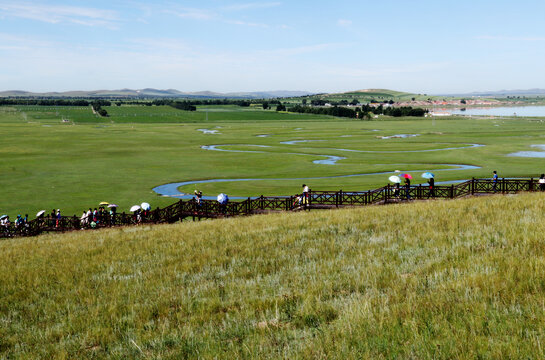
(74, 165)
(441, 279)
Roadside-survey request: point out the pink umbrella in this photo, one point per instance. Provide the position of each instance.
(406, 176)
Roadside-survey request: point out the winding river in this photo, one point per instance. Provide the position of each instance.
(171, 189)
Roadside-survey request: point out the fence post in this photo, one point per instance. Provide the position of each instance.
(341, 197)
(531, 187)
(387, 194)
(472, 186)
(503, 185)
(309, 198)
(452, 191)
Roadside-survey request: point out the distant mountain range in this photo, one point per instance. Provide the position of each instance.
(173, 93)
(146, 93)
(503, 93)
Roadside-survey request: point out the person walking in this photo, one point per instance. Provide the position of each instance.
(198, 197)
(306, 195)
(83, 220)
(58, 218)
(542, 182)
(431, 182)
(396, 190)
(494, 181)
(408, 188)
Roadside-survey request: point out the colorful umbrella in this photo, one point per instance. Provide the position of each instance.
(104, 203)
(395, 179)
(406, 176)
(428, 175)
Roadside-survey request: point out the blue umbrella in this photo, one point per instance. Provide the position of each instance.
(428, 175)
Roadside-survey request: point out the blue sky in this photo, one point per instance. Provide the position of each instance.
(322, 46)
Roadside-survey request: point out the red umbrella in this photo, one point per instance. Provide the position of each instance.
(406, 176)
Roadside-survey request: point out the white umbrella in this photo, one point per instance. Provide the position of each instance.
(395, 179)
(112, 205)
(222, 198)
(40, 213)
(145, 206)
(3, 217)
(135, 207)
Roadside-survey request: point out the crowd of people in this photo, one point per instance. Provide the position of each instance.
(106, 214)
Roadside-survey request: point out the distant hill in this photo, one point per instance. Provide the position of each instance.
(367, 95)
(149, 92)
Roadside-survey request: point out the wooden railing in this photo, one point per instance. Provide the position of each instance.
(317, 199)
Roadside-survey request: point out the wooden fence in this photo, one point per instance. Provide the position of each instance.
(317, 200)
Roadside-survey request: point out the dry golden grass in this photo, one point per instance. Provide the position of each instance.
(438, 279)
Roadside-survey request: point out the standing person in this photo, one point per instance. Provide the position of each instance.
(95, 216)
(408, 188)
(112, 215)
(198, 197)
(494, 180)
(306, 196)
(542, 182)
(52, 218)
(58, 218)
(18, 221)
(396, 190)
(5, 224)
(431, 182)
(83, 220)
(25, 223)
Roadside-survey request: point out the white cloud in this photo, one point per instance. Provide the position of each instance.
(510, 38)
(245, 23)
(344, 22)
(54, 14)
(251, 6)
(192, 13)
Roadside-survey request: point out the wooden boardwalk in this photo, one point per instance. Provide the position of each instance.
(210, 209)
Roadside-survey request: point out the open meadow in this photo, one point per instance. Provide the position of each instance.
(458, 279)
(68, 158)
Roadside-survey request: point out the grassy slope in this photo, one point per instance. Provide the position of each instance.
(442, 279)
(365, 96)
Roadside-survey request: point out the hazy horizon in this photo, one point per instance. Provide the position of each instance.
(231, 46)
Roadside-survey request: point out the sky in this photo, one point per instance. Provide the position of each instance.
(432, 47)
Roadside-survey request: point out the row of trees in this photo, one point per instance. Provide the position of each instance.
(45, 102)
(97, 107)
(363, 112)
(183, 105)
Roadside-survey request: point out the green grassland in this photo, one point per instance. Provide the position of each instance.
(46, 163)
(460, 279)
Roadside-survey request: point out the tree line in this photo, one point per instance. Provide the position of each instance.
(363, 112)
